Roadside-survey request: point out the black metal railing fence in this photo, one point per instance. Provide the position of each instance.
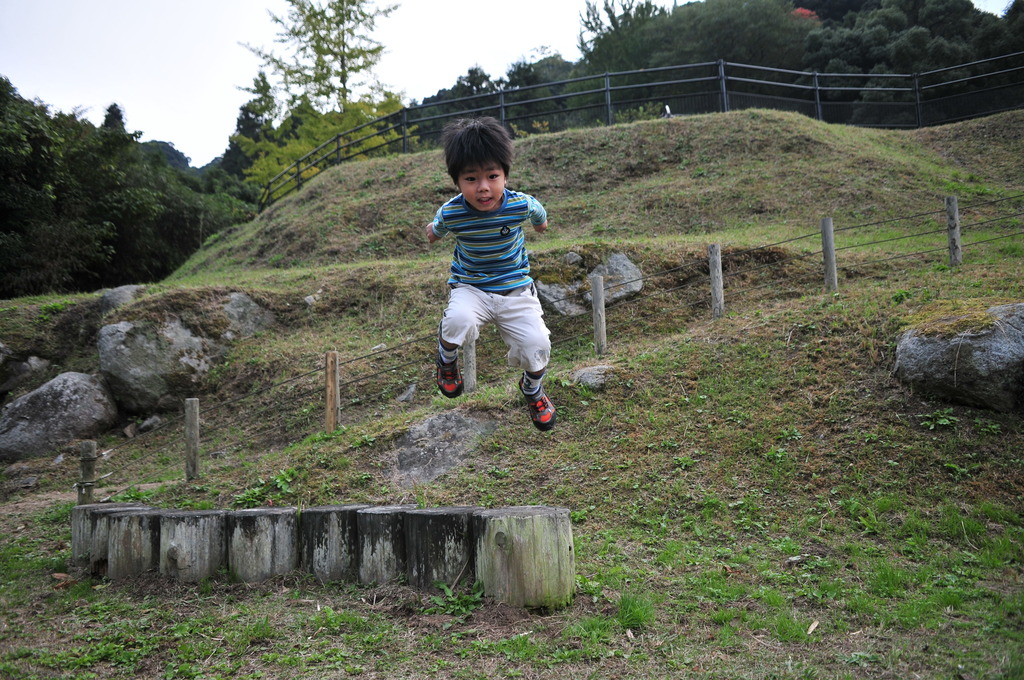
(890, 100)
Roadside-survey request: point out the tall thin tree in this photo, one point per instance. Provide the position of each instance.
(327, 46)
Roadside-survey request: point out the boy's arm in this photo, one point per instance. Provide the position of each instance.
(538, 215)
(435, 228)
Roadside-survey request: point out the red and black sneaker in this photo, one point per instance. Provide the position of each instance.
(449, 379)
(542, 411)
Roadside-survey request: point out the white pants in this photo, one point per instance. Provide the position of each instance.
(518, 316)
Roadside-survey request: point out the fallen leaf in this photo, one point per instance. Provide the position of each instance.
(812, 628)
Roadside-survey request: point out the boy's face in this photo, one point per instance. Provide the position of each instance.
(483, 186)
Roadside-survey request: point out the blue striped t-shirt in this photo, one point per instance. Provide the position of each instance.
(490, 248)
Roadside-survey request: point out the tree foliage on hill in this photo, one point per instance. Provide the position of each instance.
(838, 36)
(329, 45)
(309, 94)
(82, 207)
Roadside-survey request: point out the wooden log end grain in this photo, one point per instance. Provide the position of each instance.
(133, 544)
(262, 543)
(330, 541)
(382, 543)
(439, 546)
(193, 544)
(525, 556)
(90, 527)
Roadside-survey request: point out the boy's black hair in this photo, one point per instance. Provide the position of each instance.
(475, 142)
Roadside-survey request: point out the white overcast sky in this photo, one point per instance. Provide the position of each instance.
(175, 67)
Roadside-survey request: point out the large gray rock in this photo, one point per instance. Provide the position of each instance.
(436, 445)
(563, 298)
(982, 368)
(622, 278)
(245, 317)
(153, 367)
(113, 298)
(16, 371)
(71, 406)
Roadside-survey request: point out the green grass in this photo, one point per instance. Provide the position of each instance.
(752, 497)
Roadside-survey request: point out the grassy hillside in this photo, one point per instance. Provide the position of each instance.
(753, 497)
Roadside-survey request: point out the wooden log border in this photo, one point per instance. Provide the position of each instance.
(369, 544)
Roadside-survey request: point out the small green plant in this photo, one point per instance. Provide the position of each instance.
(635, 611)
(592, 630)
(52, 308)
(460, 604)
(363, 440)
(790, 434)
(960, 472)
(901, 296)
(986, 426)
(499, 473)
(133, 495)
(938, 419)
(336, 623)
(683, 462)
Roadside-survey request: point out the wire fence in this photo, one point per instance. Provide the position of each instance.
(292, 409)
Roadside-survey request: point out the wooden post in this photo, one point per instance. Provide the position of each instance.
(525, 556)
(469, 366)
(332, 378)
(262, 543)
(133, 545)
(87, 463)
(193, 544)
(90, 529)
(828, 249)
(439, 546)
(330, 542)
(191, 439)
(382, 543)
(956, 256)
(717, 282)
(600, 327)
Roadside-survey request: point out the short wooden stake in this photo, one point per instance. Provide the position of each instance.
(191, 439)
(525, 556)
(262, 543)
(439, 546)
(87, 463)
(469, 365)
(332, 379)
(133, 545)
(956, 255)
(717, 281)
(597, 302)
(382, 543)
(330, 541)
(828, 249)
(90, 530)
(193, 544)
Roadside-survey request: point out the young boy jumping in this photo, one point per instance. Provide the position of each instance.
(490, 272)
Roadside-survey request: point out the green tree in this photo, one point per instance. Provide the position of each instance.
(756, 32)
(615, 38)
(255, 119)
(83, 206)
(304, 128)
(327, 45)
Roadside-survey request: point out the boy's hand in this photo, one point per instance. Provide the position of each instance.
(540, 227)
(431, 236)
